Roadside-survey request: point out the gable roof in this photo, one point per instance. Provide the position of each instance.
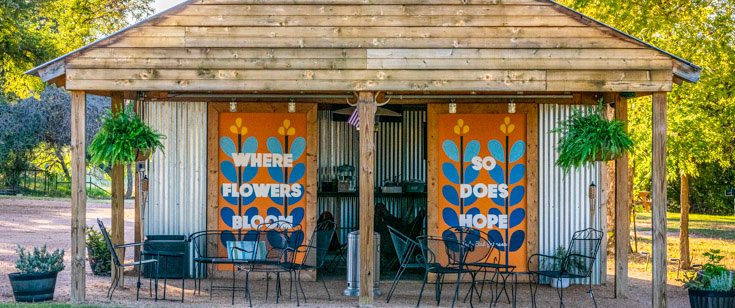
(681, 69)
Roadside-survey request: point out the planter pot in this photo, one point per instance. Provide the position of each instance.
(142, 156)
(33, 287)
(711, 299)
(560, 283)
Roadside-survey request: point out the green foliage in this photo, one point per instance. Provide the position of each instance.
(35, 31)
(713, 277)
(39, 261)
(98, 251)
(121, 137)
(706, 192)
(574, 265)
(588, 137)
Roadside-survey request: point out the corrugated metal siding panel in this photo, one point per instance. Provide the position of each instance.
(563, 200)
(177, 196)
(400, 153)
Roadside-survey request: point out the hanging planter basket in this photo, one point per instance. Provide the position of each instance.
(142, 155)
(599, 158)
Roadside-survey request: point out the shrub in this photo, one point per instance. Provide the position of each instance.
(98, 251)
(39, 261)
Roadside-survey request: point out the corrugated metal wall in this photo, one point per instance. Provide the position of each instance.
(563, 200)
(177, 197)
(400, 153)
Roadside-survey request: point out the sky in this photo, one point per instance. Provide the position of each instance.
(161, 5)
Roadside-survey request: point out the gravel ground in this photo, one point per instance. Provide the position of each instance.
(38, 222)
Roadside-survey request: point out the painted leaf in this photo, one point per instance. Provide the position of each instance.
(277, 200)
(249, 173)
(229, 171)
(296, 238)
(450, 172)
(274, 146)
(298, 215)
(516, 195)
(272, 211)
(496, 150)
(276, 173)
(496, 238)
(451, 241)
(450, 217)
(226, 214)
(250, 212)
(470, 174)
(473, 211)
(297, 147)
(227, 236)
(516, 240)
(297, 173)
(250, 145)
(227, 146)
(294, 200)
(470, 200)
(249, 199)
(230, 199)
(516, 217)
(451, 150)
(494, 211)
(497, 174)
(276, 239)
(471, 150)
(499, 201)
(517, 151)
(516, 174)
(251, 235)
(450, 194)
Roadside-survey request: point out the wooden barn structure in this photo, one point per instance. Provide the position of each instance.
(502, 58)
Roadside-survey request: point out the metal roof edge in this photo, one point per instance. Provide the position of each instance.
(693, 78)
(34, 71)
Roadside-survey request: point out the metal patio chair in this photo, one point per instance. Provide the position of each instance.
(313, 255)
(118, 266)
(405, 248)
(276, 257)
(443, 256)
(582, 252)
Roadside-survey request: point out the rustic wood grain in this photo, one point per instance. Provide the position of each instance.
(366, 109)
(78, 196)
(622, 218)
(117, 190)
(658, 205)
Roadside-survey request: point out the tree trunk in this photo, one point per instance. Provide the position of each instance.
(60, 158)
(684, 226)
(129, 189)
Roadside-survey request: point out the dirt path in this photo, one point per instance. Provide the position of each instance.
(38, 222)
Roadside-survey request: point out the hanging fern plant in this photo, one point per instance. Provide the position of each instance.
(124, 138)
(588, 138)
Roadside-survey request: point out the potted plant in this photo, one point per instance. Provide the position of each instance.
(124, 138)
(35, 280)
(574, 265)
(590, 137)
(99, 254)
(713, 286)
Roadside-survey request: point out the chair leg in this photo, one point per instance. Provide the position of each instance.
(233, 283)
(592, 294)
(326, 289)
(165, 276)
(137, 285)
(426, 277)
(302, 288)
(183, 279)
(395, 283)
(267, 284)
(296, 277)
(438, 284)
(211, 283)
(247, 288)
(290, 284)
(456, 289)
(531, 284)
(156, 280)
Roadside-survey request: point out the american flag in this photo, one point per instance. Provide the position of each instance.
(354, 119)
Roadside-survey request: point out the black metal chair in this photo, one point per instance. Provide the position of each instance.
(313, 255)
(118, 267)
(405, 248)
(443, 256)
(278, 240)
(577, 264)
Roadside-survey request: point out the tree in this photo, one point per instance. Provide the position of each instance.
(700, 116)
(36, 31)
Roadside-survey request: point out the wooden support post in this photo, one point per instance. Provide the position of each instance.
(622, 219)
(78, 196)
(138, 231)
(366, 110)
(658, 199)
(117, 194)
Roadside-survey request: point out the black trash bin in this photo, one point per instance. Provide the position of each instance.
(169, 267)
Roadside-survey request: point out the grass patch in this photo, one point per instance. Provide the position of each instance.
(706, 232)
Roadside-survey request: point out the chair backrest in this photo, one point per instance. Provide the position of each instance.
(442, 252)
(582, 252)
(316, 250)
(479, 248)
(109, 243)
(279, 238)
(403, 245)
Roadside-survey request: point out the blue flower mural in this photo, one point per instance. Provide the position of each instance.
(460, 154)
